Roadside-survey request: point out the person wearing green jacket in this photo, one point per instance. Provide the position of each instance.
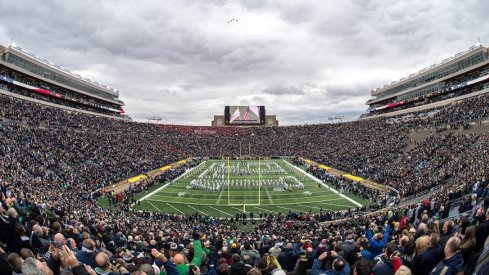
(179, 259)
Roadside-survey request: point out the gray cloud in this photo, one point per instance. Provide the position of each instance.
(304, 60)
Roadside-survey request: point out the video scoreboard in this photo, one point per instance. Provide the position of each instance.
(244, 115)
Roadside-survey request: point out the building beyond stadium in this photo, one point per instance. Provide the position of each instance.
(27, 76)
(463, 75)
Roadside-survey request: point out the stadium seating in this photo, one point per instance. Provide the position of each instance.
(55, 164)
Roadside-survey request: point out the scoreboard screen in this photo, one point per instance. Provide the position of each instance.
(244, 115)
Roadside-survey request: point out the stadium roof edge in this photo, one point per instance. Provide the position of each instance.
(450, 60)
(63, 71)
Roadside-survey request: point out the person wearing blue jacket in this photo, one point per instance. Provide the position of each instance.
(339, 266)
(453, 262)
(378, 242)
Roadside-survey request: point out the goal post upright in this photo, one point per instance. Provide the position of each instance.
(229, 185)
(259, 181)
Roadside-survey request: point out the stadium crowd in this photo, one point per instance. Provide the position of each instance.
(53, 161)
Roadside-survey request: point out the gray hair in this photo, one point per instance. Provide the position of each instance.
(148, 269)
(29, 267)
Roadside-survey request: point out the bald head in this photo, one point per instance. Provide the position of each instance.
(179, 259)
(102, 260)
(58, 237)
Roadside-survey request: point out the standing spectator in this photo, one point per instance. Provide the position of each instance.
(288, 258)
(453, 262)
(378, 241)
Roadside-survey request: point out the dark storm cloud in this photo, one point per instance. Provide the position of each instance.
(304, 60)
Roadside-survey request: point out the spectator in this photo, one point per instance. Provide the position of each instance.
(453, 262)
(378, 241)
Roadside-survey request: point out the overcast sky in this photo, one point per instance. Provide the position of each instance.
(304, 60)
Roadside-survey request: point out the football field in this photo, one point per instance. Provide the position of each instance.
(222, 188)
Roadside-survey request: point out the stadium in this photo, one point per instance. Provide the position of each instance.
(401, 189)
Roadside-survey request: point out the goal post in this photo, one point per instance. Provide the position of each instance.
(244, 203)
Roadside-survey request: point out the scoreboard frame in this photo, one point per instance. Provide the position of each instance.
(227, 116)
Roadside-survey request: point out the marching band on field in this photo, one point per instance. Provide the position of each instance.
(215, 178)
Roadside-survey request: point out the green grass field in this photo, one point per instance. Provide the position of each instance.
(261, 196)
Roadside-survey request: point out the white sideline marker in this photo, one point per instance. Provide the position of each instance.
(325, 185)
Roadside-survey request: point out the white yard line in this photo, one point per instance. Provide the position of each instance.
(238, 209)
(154, 206)
(269, 197)
(266, 210)
(334, 204)
(288, 208)
(174, 208)
(205, 171)
(219, 198)
(197, 210)
(323, 184)
(220, 211)
(158, 190)
(324, 209)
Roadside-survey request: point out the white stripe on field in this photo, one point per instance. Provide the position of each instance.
(288, 208)
(198, 210)
(220, 195)
(154, 206)
(220, 211)
(157, 190)
(174, 208)
(266, 210)
(325, 185)
(238, 209)
(269, 197)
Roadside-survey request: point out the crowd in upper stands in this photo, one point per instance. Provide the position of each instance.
(52, 163)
